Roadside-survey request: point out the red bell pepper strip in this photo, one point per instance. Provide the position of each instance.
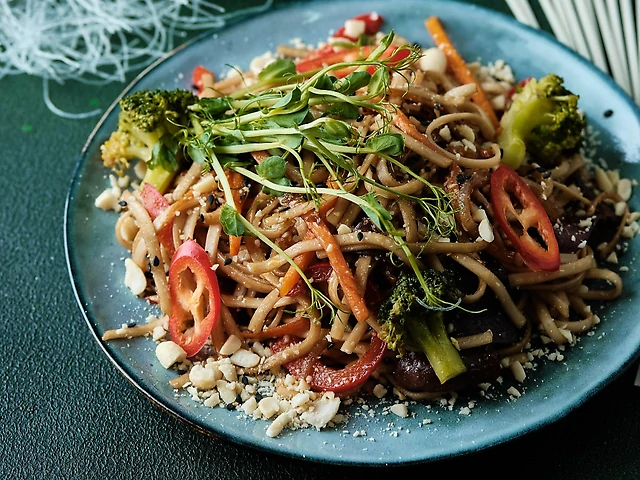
(155, 203)
(331, 57)
(372, 23)
(197, 77)
(325, 378)
(392, 54)
(506, 185)
(195, 297)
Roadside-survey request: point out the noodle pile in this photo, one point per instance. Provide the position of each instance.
(451, 143)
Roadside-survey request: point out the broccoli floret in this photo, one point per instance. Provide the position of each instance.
(544, 121)
(407, 322)
(148, 121)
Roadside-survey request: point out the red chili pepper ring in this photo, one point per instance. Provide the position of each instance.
(527, 217)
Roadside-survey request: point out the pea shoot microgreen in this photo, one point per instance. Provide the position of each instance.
(285, 113)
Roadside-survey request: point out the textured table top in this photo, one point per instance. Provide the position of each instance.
(65, 412)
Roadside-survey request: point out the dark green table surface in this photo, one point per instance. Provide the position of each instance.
(65, 412)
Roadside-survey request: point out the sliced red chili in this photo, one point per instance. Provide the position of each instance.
(195, 297)
(325, 378)
(525, 223)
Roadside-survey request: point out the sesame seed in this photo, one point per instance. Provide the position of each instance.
(360, 236)
(608, 113)
(156, 261)
(122, 203)
(227, 261)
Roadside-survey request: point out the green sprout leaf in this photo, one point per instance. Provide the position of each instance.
(287, 120)
(281, 68)
(272, 168)
(284, 182)
(231, 221)
(164, 154)
(388, 143)
(232, 138)
(345, 110)
(338, 129)
(290, 99)
(353, 82)
(379, 82)
(197, 154)
(290, 141)
(376, 212)
(325, 82)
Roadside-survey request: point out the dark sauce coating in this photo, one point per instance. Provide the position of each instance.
(413, 371)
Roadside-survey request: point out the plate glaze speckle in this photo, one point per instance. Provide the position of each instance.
(550, 392)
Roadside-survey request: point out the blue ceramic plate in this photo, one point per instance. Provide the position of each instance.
(554, 389)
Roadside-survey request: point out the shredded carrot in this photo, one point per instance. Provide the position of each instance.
(458, 66)
(294, 327)
(304, 259)
(319, 228)
(292, 276)
(236, 181)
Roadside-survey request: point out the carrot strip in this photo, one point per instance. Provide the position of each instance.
(304, 259)
(236, 181)
(294, 327)
(459, 66)
(319, 228)
(292, 276)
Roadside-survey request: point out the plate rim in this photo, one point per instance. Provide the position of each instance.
(262, 447)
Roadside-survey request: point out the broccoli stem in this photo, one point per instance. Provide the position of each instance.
(159, 178)
(432, 336)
